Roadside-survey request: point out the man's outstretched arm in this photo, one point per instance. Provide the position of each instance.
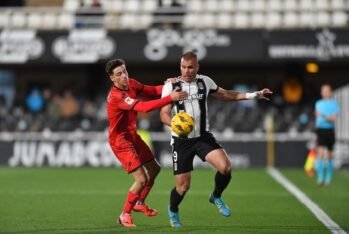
(147, 106)
(229, 95)
(152, 91)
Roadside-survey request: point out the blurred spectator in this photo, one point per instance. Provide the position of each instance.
(292, 91)
(7, 90)
(303, 118)
(171, 9)
(69, 105)
(89, 109)
(35, 101)
(53, 107)
(96, 3)
(43, 3)
(89, 16)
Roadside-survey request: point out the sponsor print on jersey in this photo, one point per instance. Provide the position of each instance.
(190, 98)
(129, 100)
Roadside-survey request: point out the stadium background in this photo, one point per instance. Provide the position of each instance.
(53, 85)
(59, 49)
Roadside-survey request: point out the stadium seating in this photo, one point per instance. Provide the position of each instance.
(237, 117)
(214, 13)
(140, 15)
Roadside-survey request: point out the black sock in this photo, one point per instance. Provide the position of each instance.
(222, 182)
(175, 200)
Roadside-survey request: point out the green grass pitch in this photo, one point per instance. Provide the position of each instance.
(89, 200)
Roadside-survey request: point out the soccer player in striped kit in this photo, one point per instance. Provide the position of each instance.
(133, 153)
(200, 141)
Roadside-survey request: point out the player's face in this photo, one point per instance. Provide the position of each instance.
(326, 91)
(120, 77)
(189, 69)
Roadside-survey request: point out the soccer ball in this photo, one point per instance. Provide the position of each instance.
(182, 124)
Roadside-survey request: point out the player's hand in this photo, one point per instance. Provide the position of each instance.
(177, 95)
(262, 94)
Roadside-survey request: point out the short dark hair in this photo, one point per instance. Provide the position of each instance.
(189, 55)
(112, 64)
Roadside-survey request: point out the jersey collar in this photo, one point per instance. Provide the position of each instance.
(183, 81)
(114, 86)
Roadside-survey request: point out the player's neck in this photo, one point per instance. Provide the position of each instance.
(122, 87)
(187, 81)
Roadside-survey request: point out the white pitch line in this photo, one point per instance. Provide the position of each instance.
(113, 193)
(305, 200)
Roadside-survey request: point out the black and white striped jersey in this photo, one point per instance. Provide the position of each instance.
(196, 103)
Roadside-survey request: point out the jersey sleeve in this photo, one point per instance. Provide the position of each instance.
(210, 84)
(136, 85)
(151, 91)
(153, 104)
(122, 101)
(167, 89)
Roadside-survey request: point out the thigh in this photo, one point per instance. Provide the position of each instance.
(206, 144)
(321, 137)
(219, 159)
(330, 140)
(152, 168)
(182, 156)
(144, 152)
(128, 158)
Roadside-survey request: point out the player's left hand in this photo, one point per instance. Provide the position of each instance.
(263, 93)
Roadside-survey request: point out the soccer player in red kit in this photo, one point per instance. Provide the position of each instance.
(135, 156)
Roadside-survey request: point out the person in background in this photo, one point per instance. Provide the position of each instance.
(326, 111)
(89, 15)
(7, 87)
(35, 101)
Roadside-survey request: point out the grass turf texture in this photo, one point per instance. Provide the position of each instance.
(89, 200)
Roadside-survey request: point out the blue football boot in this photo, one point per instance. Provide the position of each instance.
(222, 207)
(174, 218)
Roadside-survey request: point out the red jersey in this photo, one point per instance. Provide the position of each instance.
(122, 108)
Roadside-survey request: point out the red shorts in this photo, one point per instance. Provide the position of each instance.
(133, 155)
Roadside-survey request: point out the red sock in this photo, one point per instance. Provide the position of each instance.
(145, 191)
(130, 202)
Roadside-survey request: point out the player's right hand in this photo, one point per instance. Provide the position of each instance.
(177, 95)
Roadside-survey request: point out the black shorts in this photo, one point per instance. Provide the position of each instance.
(184, 151)
(326, 138)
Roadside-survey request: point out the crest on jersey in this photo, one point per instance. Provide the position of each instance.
(129, 100)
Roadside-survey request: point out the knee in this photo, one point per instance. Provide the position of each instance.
(157, 170)
(330, 154)
(142, 180)
(226, 168)
(153, 173)
(183, 188)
